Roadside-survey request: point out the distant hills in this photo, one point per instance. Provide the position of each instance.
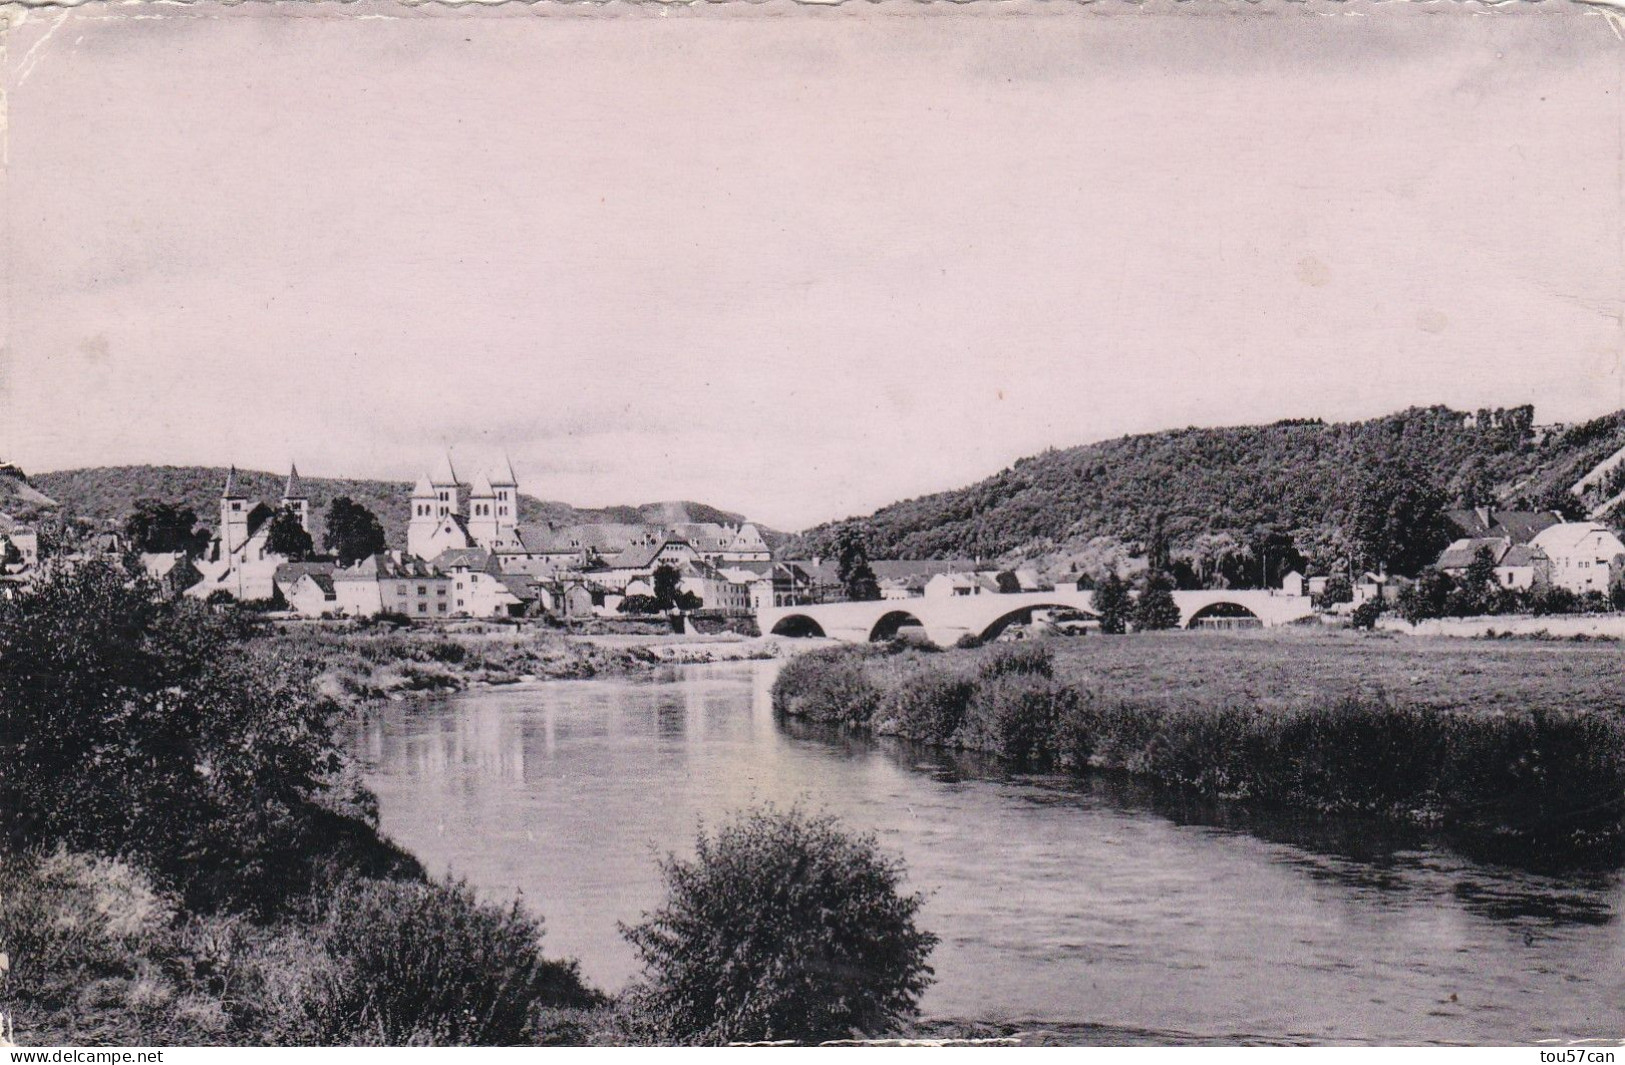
(1293, 476)
(109, 493)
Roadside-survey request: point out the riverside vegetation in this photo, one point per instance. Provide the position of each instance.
(188, 858)
(1516, 752)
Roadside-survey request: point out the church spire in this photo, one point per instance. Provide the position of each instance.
(295, 488)
(230, 491)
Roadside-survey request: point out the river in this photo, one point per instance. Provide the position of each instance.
(1058, 904)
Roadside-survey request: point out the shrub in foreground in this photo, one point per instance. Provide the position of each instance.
(429, 964)
(783, 926)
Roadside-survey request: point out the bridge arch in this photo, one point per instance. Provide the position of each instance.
(1024, 615)
(1226, 614)
(890, 623)
(797, 625)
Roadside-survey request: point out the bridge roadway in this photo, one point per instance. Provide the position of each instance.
(946, 619)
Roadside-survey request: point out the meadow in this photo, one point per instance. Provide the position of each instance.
(1516, 749)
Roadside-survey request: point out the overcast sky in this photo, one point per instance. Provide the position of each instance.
(797, 263)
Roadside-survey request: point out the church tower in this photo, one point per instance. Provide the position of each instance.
(233, 515)
(445, 484)
(293, 496)
(506, 488)
(482, 512)
(424, 520)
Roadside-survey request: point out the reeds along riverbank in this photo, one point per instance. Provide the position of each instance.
(1541, 786)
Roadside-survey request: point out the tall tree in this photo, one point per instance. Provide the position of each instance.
(287, 537)
(1398, 519)
(1155, 609)
(669, 592)
(161, 527)
(1112, 604)
(852, 567)
(353, 532)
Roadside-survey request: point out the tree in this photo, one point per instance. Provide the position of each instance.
(1155, 609)
(668, 582)
(353, 532)
(159, 527)
(1475, 487)
(1430, 597)
(1398, 518)
(1337, 590)
(123, 719)
(639, 604)
(287, 537)
(852, 567)
(1112, 604)
(783, 926)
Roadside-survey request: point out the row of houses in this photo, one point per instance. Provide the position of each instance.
(467, 555)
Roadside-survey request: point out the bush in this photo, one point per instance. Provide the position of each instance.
(429, 964)
(930, 705)
(1015, 715)
(968, 642)
(1026, 659)
(827, 685)
(782, 927)
(1366, 614)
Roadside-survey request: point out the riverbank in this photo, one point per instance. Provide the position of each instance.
(1517, 749)
(356, 666)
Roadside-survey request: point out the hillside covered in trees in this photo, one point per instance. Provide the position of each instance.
(1293, 479)
(109, 494)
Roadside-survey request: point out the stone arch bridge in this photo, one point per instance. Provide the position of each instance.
(946, 619)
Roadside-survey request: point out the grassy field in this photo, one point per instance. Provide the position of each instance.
(1517, 747)
(1289, 668)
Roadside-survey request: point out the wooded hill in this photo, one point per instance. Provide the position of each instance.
(1294, 477)
(109, 493)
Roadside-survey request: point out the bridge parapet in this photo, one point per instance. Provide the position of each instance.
(946, 619)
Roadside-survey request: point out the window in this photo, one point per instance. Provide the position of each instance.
(441, 607)
(423, 608)
(422, 590)
(440, 591)
(459, 602)
(400, 589)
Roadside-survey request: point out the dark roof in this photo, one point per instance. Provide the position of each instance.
(475, 558)
(290, 572)
(639, 557)
(522, 585)
(1520, 555)
(1462, 553)
(295, 488)
(1519, 526)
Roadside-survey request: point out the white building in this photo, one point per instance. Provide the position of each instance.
(237, 560)
(1582, 556)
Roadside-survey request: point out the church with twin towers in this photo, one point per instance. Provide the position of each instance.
(447, 514)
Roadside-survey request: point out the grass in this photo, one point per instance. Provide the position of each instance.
(1515, 748)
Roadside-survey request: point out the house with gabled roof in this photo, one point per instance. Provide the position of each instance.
(1581, 556)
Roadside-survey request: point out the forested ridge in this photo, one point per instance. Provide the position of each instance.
(1294, 477)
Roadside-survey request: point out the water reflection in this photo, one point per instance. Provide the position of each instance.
(1057, 901)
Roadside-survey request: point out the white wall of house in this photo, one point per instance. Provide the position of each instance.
(1584, 555)
(357, 598)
